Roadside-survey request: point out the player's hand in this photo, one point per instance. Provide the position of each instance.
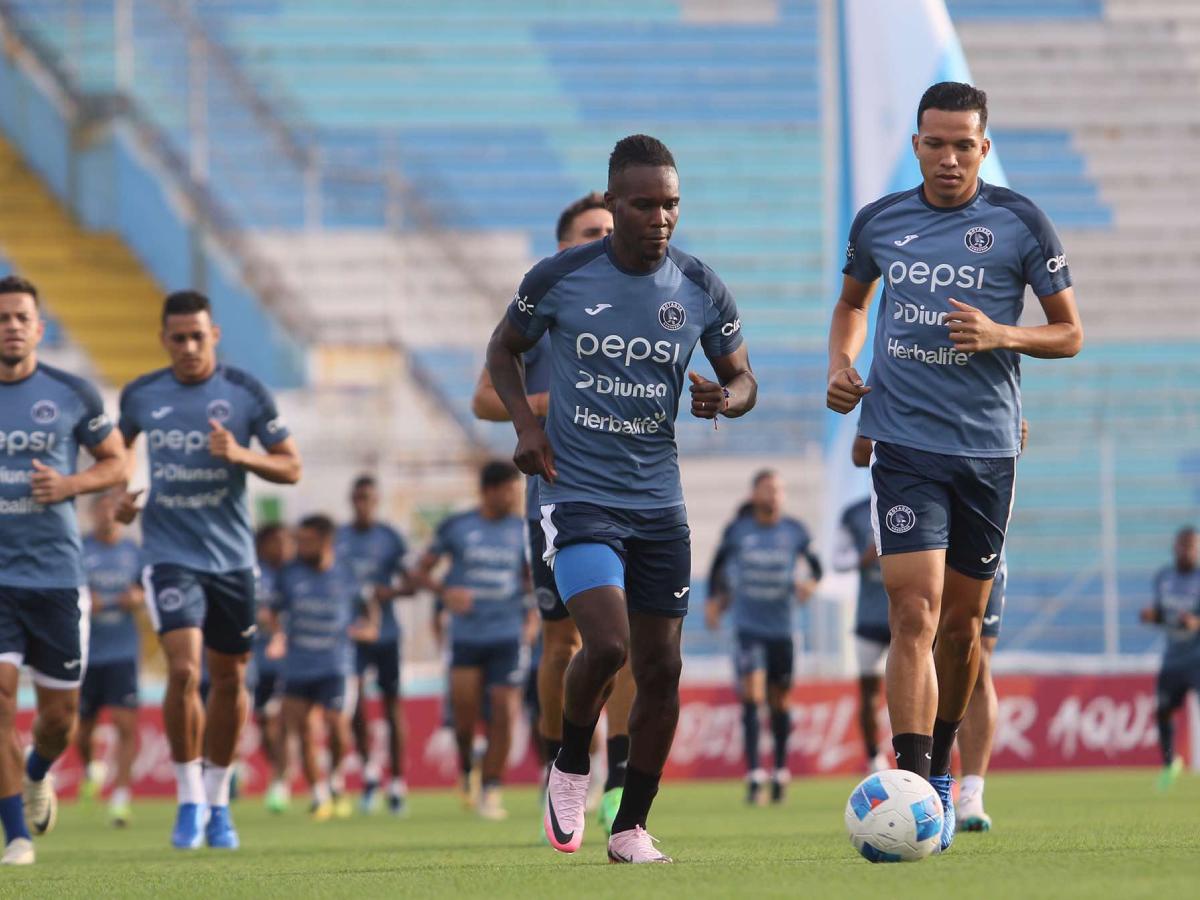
(131, 599)
(1024, 433)
(222, 444)
(49, 485)
(363, 631)
(127, 508)
(534, 455)
(845, 389)
(708, 398)
(804, 590)
(458, 600)
(277, 647)
(1149, 615)
(1190, 621)
(971, 331)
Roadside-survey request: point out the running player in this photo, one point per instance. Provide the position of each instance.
(321, 609)
(624, 316)
(584, 221)
(46, 416)
(942, 404)
(375, 553)
(485, 590)
(760, 553)
(1176, 608)
(979, 725)
(274, 548)
(871, 635)
(199, 417)
(113, 564)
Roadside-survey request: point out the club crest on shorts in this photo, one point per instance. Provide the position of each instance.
(44, 412)
(546, 599)
(671, 315)
(900, 519)
(979, 239)
(170, 599)
(220, 410)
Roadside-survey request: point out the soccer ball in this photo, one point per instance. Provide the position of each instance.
(894, 816)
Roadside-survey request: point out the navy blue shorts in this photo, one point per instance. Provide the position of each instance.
(931, 501)
(113, 684)
(549, 603)
(655, 546)
(266, 689)
(335, 692)
(777, 656)
(503, 663)
(384, 658)
(221, 604)
(1173, 684)
(993, 616)
(47, 630)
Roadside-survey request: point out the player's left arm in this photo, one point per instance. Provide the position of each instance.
(280, 464)
(971, 331)
(734, 395)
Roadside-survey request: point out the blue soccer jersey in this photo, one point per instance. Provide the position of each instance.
(488, 557)
(924, 393)
(871, 611)
(196, 515)
(537, 381)
(46, 417)
(111, 569)
(760, 571)
(1176, 593)
(376, 556)
(318, 609)
(267, 597)
(620, 345)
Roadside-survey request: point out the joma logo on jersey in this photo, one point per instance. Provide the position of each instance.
(941, 275)
(177, 439)
(616, 347)
(14, 442)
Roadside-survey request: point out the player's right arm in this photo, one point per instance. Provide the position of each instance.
(718, 583)
(847, 333)
(487, 405)
(1153, 614)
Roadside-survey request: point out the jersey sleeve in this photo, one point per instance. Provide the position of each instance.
(394, 564)
(533, 307)
(127, 421)
(722, 327)
(267, 425)
(860, 262)
(1043, 259)
(443, 539)
(94, 425)
(717, 582)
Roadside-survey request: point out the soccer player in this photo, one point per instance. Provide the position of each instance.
(1176, 608)
(624, 316)
(760, 552)
(942, 404)
(113, 564)
(871, 635)
(322, 607)
(199, 417)
(46, 416)
(485, 590)
(375, 553)
(584, 221)
(274, 548)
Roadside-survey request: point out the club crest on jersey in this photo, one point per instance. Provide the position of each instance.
(671, 316)
(979, 239)
(44, 412)
(900, 519)
(220, 410)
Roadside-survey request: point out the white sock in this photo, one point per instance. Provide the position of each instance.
(399, 787)
(189, 781)
(372, 773)
(120, 797)
(278, 784)
(216, 784)
(972, 788)
(337, 783)
(320, 792)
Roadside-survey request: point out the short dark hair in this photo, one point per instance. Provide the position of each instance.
(496, 473)
(638, 150)
(594, 200)
(1187, 531)
(185, 303)
(15, 284)
(954, 96)
(266, 532)
(320, 523)
(363, 481)
(762, 475)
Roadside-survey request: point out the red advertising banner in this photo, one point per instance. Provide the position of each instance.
(1045, 721)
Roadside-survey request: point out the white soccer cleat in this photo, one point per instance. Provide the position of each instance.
(635, 846)
(41, 804)
(19, 852)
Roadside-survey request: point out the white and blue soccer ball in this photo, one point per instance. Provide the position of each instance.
(894, 816)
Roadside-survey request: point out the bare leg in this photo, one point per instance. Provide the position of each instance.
(227, 705)
(560, 643)
(868, 701)
(125, 721)
(397, 732)
(979, 727)
(466, 694)
(506, 704)
(183, 713)
(83, 741)
(10, 748)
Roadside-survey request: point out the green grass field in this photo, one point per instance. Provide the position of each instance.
(1095, 834)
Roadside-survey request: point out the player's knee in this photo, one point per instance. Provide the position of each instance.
(912, 620)
(659, 675)
(959, 635)
(557, 654)
(57, 720)
(227, 682)
(607, 653)
(183, 675)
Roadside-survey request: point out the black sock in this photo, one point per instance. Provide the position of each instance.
(464, 764)
(640, 789)
(552, 746)
(781, 730)
(944, 734)
(872, 751)
(1166, 735)
(489, 783)
(618, 761)
(750, 734)
(573, 756)
(913, 752)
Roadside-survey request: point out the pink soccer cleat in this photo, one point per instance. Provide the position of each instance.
(566, 802)
(636, 846)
